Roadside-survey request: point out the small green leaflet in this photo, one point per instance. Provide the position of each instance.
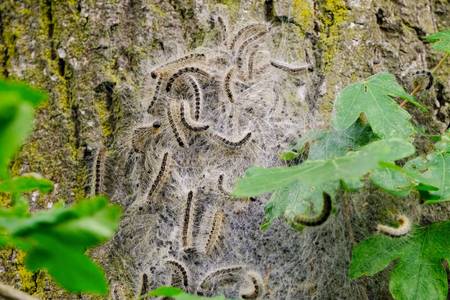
(351, 166)
(179, 294)
(440, 40)
(26, 183)
(375, 98)
(418, 272)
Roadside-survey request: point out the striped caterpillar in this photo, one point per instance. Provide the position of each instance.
(255, 289)
(140, 135)
(318, 219)
(183, 71)
(289, 68)
(227, 84)
(222, 27)
(185, 119)
(243, 32)
(161, 176)
(427, 74)
(98, 171)
(233, 144)
(180, 274)
(245, 44)
(403, 228)
(155, 94)
(224, 273)
(186, 241)
(214, 232)
(251, 62)
(182, 60)
(174, 126)
(198, 95)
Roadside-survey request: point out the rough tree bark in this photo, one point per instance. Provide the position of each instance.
(95, 57)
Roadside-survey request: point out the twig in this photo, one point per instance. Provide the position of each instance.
(9, 293)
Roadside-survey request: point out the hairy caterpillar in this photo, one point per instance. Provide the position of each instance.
(227, 84)
(140, 135)
(255, 289)
(221, 274)
(289, 68)
(245, 44)
(320, 218)
(222, 27)
(243, 32)
(162, 174)
(233, 144)
(176, 131)
(144, 285)
(251, 62)
(198, 95)
(185, 119)
(214, 232)
(183, 71)
(427, 74)
(98, 171)
(180, 275)
(187, 219)
(403, 228)
(155, 94)
(185, 59)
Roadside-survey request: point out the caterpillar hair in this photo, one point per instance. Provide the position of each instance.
(428, 75)
(243, 32)
(140, 135)
(174, 126)
(403, 228)
(215, 232)
(222, 27)
(98, 171)
(186, 235)
(251, 62)
(162, 174)
(220, 273)
(193, 57)
(180, 275)
(227, 84)
(198, 95)
(155, 95)
(185, 119)
(289, 68)
(233, 144)
(320, 218)
(255, 289)
(183, 71)
(245, 44)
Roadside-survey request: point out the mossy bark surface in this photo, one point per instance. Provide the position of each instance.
(94, 58)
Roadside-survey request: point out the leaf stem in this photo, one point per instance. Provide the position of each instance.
(419, 86)
(10, 293)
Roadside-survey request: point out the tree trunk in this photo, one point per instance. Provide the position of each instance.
(95, 59)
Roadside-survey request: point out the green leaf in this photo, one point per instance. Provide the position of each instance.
(26, 183)
(21, 93)
(179, 294)
(440, 40)
(418, 272)
(374, 97)
(349, 167)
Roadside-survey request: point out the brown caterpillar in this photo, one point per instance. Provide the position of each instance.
(176, 131)
(141, 133)
(183, 71)
(403, 228)
(255, 290)
(185, 59)
(186, 234)
(214, 232)
(185, 119)
(320, 218)
(245, 44)
(289, 68)
(155, 94)
(98, 171)
(180, 275)
(243, 31)
(251, 62)
(198, 95)
(221, 274)
(222, 27)
(233, 144)
(161, 175)
(144, 285)
(227, 84)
